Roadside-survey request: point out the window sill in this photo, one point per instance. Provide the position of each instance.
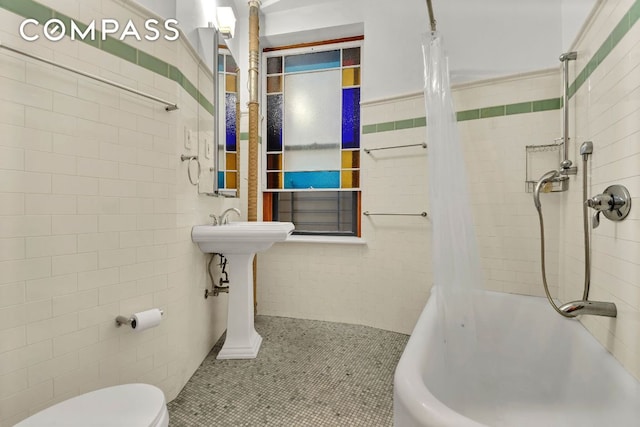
(340, 240)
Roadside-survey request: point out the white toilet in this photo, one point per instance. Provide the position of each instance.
(130, 405)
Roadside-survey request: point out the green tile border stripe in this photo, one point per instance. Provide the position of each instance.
(617, 34)
(397, 125)
(42, 13)
(475, 114)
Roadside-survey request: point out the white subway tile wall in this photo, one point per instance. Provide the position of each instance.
(387, 282)
(605, 111)
(95, 219)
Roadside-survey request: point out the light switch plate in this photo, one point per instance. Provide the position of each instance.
(187, 138)
(209, 150)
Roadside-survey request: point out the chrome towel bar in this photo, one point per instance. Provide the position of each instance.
(422, 214)
(170, 106)
(369, 150)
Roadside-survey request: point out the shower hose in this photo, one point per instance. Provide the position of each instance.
(547, 178)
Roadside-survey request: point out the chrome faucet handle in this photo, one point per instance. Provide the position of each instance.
(214, 219)
(601, 202)
(614, 203)
(595, 220)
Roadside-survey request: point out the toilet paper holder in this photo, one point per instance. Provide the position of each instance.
(131, 321)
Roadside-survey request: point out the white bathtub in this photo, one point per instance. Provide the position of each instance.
(532, 368)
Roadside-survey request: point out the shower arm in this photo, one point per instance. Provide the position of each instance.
(432, 19)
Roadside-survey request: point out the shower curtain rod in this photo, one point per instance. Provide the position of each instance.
(432, 19)
(170, 106)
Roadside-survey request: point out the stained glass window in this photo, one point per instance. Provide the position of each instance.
(313, 119)
(227, 122)
(312, 132)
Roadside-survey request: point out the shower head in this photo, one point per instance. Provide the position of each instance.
(586, 148)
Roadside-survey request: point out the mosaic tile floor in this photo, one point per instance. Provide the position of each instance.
(308, 373)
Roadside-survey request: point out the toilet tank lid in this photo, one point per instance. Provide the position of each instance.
(132, 405)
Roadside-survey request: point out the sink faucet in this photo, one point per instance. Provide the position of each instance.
(224, 217)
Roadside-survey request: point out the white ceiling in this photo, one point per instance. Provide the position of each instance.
(484, 38)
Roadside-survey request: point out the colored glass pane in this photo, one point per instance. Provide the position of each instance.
(351, 56)
(351, 76)
(312, 61)
(232, 180)
(350, 159)
(274, 65)
(230, 66)
(274, 180)
(351, 118)
(230, 83)
(274, 84)
(231, 162)
(221, 179)
(274, 123)
(274, 162)
(220, 63)
(230, 108)
(312, 179)
(350, 179)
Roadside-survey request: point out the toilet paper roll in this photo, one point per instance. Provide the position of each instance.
(146, 319)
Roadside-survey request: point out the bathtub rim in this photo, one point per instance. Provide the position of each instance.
(410, 394)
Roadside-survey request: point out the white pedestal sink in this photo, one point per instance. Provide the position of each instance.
(239, 242)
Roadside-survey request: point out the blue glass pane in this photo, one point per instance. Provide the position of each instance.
(220, 63)
(230, 108)
(221, 179)
(274, 123)
(351, 118)
(312, 179)
(312, 61)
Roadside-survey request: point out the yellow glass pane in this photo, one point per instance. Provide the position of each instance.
(231, 163)
(351, 77)
(230, 83)
(231, 180)
(274, 84)
(350, 179)
(274, 180)
(350, 159)
(274, 162)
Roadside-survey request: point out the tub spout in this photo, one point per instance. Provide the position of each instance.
(595, 308)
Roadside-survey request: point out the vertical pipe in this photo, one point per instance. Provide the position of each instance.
(254, 118)
(565, 110)
(585, 230)
(254, 122)
(565, 58)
